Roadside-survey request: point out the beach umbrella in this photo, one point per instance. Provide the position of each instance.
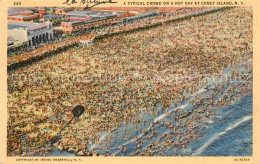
(78, 110)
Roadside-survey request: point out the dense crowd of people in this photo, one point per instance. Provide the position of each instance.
(120, 76)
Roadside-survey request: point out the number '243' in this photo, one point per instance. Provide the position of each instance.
(17, 3)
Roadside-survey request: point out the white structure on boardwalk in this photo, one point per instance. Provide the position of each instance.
(31, 33)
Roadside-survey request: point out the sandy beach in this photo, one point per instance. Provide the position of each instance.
(131, 85)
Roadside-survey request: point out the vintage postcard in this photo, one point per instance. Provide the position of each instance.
(109, 81)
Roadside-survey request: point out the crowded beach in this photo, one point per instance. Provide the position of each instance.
(119, 78)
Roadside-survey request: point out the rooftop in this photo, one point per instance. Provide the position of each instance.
(24, 25)
(16, 10)
(51, 16)
(92, 13)
(23, 16)
(148, 13)
(26, 11)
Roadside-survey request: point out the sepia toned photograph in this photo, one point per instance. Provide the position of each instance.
(129, 81)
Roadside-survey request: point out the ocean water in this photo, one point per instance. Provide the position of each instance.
(230, 134)
(227, 133)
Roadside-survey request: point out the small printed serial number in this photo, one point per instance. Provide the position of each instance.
(17, 3)
(241, 159)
